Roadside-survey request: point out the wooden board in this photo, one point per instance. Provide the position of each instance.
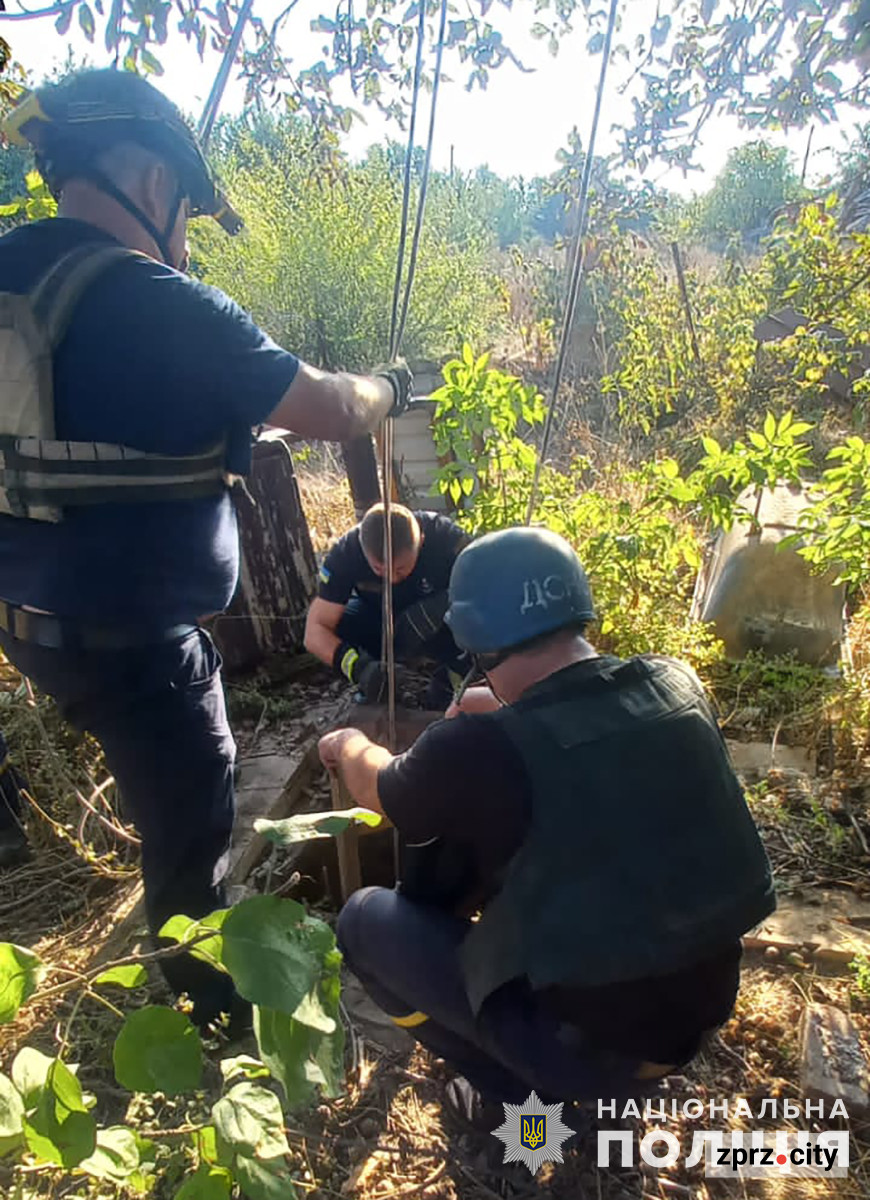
(277, 574)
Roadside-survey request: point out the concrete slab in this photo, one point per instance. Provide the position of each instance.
(833, 926)
(833, 1065)
(753, 760)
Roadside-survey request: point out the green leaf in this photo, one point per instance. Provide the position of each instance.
(273, 952)
(757, 440)
(86, 22)
(158, 1050)
(116, 1156)
(29, 1072)
(185, 929)
(285, 1047)
(131, 976)
(20, 973)
(308, 826)
(61, 1132)
(711, 447)
(269, 1180)
(11, 1116)
(152, 65)
(206, 1183)
(249, 1120)
(243, 1064)
(769, 427)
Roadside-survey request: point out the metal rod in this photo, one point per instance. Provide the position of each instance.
(577, 265)
(213, 103)
(684, 292)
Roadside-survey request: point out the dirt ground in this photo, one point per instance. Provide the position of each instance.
(387, 1136)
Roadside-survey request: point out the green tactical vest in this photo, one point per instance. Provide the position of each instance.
(641, 856)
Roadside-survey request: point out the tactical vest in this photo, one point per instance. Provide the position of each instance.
(40, 475)
(641, 856)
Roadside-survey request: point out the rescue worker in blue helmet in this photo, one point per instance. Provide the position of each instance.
(587, 808)
(128, 392)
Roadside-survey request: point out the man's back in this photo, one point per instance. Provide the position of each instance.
(158, 362)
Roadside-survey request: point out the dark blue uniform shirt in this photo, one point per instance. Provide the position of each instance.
(157, 361)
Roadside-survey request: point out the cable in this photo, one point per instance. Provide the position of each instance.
(576, 265)
(406, 182)
(397, 330)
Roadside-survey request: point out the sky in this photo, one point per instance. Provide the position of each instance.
(515, 127)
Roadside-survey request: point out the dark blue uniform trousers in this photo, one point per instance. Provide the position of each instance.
(159, 714)
(406, 955)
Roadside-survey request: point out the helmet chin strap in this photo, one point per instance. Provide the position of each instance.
(161, 239)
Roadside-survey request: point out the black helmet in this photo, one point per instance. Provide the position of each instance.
(71, 123)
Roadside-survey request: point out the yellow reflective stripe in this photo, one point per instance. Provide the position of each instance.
(348, 662)
(412, 1019)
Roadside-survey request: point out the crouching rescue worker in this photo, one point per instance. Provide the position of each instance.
(593, 816)
(345, 619)
(127, 396)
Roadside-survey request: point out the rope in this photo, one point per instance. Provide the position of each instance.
(577, 264)
(398, 320)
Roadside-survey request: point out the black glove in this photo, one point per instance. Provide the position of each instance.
(363, 671)
(419, 623)
(402, 381)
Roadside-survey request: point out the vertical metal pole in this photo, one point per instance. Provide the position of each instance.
(681, 279)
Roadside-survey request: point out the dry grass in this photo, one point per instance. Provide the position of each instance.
(326, 500)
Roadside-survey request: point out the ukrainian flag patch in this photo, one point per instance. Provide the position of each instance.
(324, 574)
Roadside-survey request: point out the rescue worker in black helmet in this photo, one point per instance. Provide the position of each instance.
(592, 815)
(128, 392)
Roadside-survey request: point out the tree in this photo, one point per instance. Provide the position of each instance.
(756, 182)
(767, 63)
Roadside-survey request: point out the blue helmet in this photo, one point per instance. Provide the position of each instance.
(509, 587)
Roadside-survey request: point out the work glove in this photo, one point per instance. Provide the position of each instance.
(418, 624)
(402, 382)
(364, 672)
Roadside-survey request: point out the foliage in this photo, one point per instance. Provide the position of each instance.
(285, 962)
(316, 263)
(36, 204)
(773, 65)
(754, 185)
(639, 550)
(807, 268)
(479, 416)
(861, 967)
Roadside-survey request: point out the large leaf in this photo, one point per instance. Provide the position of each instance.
(20, 973)
(185, 929)
(61, 1132)
(158, 1050)
(29, 1072)
(132, 976)
(249, 1120)
(270, 1180)
(286, 1046)
(11, 1116)
(272, 952)
(206, 1183)
(307, 826)
(116, 1156)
